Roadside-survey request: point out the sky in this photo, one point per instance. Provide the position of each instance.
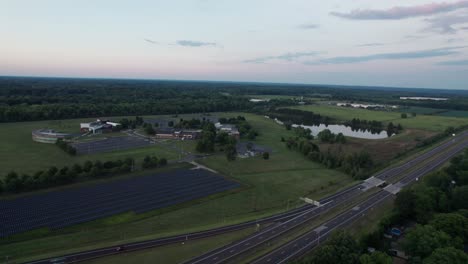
(408, 43)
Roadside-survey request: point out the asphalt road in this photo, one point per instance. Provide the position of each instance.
(301, 245)
(230, 252)
(299, 215)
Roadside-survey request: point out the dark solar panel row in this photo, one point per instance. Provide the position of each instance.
(67, 207)
(110, 144)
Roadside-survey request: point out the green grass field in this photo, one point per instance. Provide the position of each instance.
(420, 110)
(463, 114)
(425, 122)
(18, 152)
(270, 186)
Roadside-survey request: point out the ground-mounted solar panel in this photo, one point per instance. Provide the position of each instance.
(63, 208)
(110, 144)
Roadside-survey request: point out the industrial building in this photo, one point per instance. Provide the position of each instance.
(98, 127)
(171, 133)
(48, 136)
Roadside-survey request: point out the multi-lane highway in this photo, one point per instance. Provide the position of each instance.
(309, 240)
(442, 153)
(288, 219)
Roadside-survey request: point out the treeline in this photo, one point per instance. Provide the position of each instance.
(439, 207)
(28, 99)
(358, 165)
(52, 177)
(126, 123)
(206, 143)
(153, 162)
(342, 248)
(65, 146)
(244, 127)
(373, 126)
(191, 123)
(210, 138)
(326, 136)
(436, 138)
(296, 116)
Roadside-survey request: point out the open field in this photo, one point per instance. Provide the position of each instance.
(425, 122)
(420, 110)
(272, 186)
(454, 113)
(18, 152)
(382, 151)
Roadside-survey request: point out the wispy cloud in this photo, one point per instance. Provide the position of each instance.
(445, 24)
(454, 63)
(371, 45)
(390, 56)
(452, 40)
(191, 43)
(308, 26)
(415, 37)
(284, 57)
(401, 12)
(151, 41)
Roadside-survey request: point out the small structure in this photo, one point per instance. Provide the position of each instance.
(171, 133)
(98, 127)
(165, 133)
(249, 149)
(228, 128)
(48, 136)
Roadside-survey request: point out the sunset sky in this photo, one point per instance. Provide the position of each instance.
(408, 43)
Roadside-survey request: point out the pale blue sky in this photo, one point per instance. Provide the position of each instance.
(408, 43)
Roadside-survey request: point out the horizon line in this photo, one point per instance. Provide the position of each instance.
(240, 82)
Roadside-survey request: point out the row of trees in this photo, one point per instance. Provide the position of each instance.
(358, 165)
(52, 177)
(15, 183)
(65, 146)
(448, 132)
(296, 116)
(373, 126)
(438, 206)
(342, 248)
(326, 136)
(126, 123)
(153, 162)
(207, 140)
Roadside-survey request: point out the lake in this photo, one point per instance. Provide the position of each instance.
(346, 130)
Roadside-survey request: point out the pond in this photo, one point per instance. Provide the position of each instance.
(346, 130)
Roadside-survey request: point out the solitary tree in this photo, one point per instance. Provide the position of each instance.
(266, 155)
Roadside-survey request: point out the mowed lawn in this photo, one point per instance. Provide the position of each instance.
(424, 122)
(19, 153)
(270, 186)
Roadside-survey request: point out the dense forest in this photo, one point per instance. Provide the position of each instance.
(26, 99)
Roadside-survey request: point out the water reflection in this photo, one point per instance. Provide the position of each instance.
(347, 131)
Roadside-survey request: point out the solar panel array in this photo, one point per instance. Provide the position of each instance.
(59, 209)
(110, 144)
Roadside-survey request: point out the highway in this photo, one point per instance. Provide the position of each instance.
(230, 252)
(301, 245)
(290, 220)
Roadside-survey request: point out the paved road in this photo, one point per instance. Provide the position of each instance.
(307, 210)
(228, 253)
(301, 245)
